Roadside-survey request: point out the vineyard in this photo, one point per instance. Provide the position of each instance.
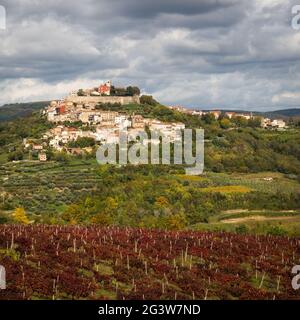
(72, 262)
(46, 187)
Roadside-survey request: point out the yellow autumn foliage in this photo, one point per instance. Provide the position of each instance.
(227, 189)
(19, 216)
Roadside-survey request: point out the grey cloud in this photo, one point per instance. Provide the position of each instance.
(200, 53)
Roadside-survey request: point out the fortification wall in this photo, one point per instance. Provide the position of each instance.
(106, 99)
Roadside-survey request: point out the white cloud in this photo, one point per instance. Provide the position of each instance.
(23, 90)
(287, 97)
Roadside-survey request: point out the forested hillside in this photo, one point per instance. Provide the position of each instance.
(12, 111)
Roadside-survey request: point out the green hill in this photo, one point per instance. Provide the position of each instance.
(246, 168)
(286, 113)
(18, 110)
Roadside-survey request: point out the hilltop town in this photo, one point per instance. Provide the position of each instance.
(89, 117)
(83, 112)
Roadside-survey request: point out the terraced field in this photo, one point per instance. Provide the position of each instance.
(46, 187)
(265, 181)
(271, 182)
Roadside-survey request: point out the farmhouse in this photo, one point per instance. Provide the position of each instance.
(230, 115)
(42, 157)
(216, 114)
(37, 147)
(273, 124)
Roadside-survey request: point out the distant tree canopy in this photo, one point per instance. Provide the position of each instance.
(225, 123)
(16, 155)
(82, 142)
(132, 91)
(129, 91)
(3, 218)
(148, 100)
(80, 93)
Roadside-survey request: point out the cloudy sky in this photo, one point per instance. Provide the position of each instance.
(206, 54)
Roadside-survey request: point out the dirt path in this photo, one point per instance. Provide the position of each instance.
(259, 218)
(235, 211)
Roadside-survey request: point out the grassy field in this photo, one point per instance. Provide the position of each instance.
(258, 181)
(254, 221)
(270, 182)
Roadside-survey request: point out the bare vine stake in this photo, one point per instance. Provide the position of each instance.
(262, 280)
(206, 293)
(146, 268)
(163, 288)
(186, 252)
(278, 283)
(12, 241)
(128, 265)
(167, 281)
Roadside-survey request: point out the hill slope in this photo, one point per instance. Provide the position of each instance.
(288, 113)
(18, 110)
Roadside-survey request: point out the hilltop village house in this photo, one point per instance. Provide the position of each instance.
(266, 123)
(105, 88)
(36, 148)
